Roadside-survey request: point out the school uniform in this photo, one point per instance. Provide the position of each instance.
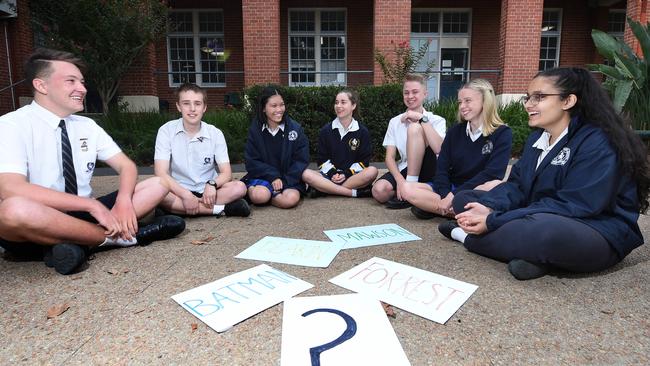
(468, 159)
(269, 155)
(347, 151)
(396, 135)
(572, 208)
(192, 160)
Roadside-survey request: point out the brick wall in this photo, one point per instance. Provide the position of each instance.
(140, 79)
(261, 29)
(392, 24)
(637, 10)
(21, 44)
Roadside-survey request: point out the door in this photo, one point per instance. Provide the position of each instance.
(452, 59)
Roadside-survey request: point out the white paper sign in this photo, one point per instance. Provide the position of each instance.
(338, 330)
(227, 301)
(423, 293)
(363, 236)
(309, 253)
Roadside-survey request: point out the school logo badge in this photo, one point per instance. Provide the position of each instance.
(487, 148)
(90, 167)
(84, 144)
(207, 161)
(293, 135)
(354, 143)
(562, 157)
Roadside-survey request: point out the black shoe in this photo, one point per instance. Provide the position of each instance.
(524, 270)
(422, 214)
(446, 227)
(395, 204)
(364, 192)
(65, 258)
(162, 228)
(237, 208)
(315, 193)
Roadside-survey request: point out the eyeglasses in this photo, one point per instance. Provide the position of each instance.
(535, 98)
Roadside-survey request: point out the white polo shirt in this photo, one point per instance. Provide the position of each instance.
(193, 160)
(30, 144)
(397, 132)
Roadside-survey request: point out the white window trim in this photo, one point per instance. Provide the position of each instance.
(316, 33)
(557, 34)
(196, 35)
(617, 34)
(441, 11)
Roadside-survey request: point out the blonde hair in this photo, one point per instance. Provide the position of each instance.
(490, 108)
(416, 77)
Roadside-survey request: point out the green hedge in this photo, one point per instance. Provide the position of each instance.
(311, 106)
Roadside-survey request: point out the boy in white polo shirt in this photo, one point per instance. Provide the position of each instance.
(47, 158)
(417, 135)
(188, 153)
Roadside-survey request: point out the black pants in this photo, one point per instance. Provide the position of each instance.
(427, 171)
(562, 242)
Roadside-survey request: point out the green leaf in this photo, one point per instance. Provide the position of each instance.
(642, 34)
(609, 71)
(621, 94)
(606, 45)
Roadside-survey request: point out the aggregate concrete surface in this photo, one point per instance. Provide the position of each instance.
(121, 311)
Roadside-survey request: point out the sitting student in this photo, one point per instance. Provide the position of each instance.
(344, 151)
(47, 158)
(424, 132)
(277, 153)
(473, 153)
(573, 199)
(193, 150)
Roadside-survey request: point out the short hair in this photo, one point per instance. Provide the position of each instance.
(39, 63)
(262, 99)
(191, 87)
(490, 108)
(416, 77)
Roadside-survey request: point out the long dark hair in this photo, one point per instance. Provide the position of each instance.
(595, 107)
(262, 99)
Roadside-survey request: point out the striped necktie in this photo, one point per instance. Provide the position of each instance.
(68, 164)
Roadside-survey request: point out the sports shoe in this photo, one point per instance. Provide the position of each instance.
(364, 192)
(65, 258)
(524, 270)
(237, 208)
(446, 227)
(315, 193)
(422, 214)
(395, 204)
(162, 228)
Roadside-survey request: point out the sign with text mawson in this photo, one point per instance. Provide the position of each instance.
(364, 236)
(227, 301)
(420, 292)
(338, 330)
(309, 253)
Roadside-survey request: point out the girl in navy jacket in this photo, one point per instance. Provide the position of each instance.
(276, 154)
(573, 199)
(344, 152)
(474, 152)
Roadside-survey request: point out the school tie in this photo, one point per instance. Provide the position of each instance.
(69, 174)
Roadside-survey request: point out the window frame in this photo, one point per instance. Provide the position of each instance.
(621, 34)
(557, 34)
(317, 34)
(196, 36)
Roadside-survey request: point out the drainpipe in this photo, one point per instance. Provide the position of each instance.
(11, 81)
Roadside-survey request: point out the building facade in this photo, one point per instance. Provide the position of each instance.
(228, 45)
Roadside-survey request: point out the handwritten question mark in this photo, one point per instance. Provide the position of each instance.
(349, 332)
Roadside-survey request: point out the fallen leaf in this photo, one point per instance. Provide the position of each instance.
(388, 309)
(194, 327)
(607, 311)
(57, 310)
(202, 241)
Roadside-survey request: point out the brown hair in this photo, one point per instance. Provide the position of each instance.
(191, 87)
(39, 63)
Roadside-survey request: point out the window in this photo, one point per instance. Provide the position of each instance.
(196, 48)
(317, 47)
(429, 21)
(549, 49)
(616, 23)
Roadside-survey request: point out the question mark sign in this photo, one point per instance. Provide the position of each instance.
(349, 332)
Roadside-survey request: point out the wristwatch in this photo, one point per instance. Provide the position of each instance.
(424, 119)
(212, 183)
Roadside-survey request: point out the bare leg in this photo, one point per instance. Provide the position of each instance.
(422, 196)
(230, 192)
(148, 194)
(287, 199)
(415, 146)
(362, 179)
(259, 195)
(382, 191)
(316, 180)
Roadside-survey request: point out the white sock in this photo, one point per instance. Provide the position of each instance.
(354, 193)
(412, 178)
(458, 234)
(217, 209)
(118, 242)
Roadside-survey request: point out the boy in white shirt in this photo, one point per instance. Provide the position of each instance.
(417, 135)
(188, 151)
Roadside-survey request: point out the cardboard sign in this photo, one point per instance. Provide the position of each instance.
(309, 253)
(338, 330)
(363, 236)
(226, 302)
(423, 293)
